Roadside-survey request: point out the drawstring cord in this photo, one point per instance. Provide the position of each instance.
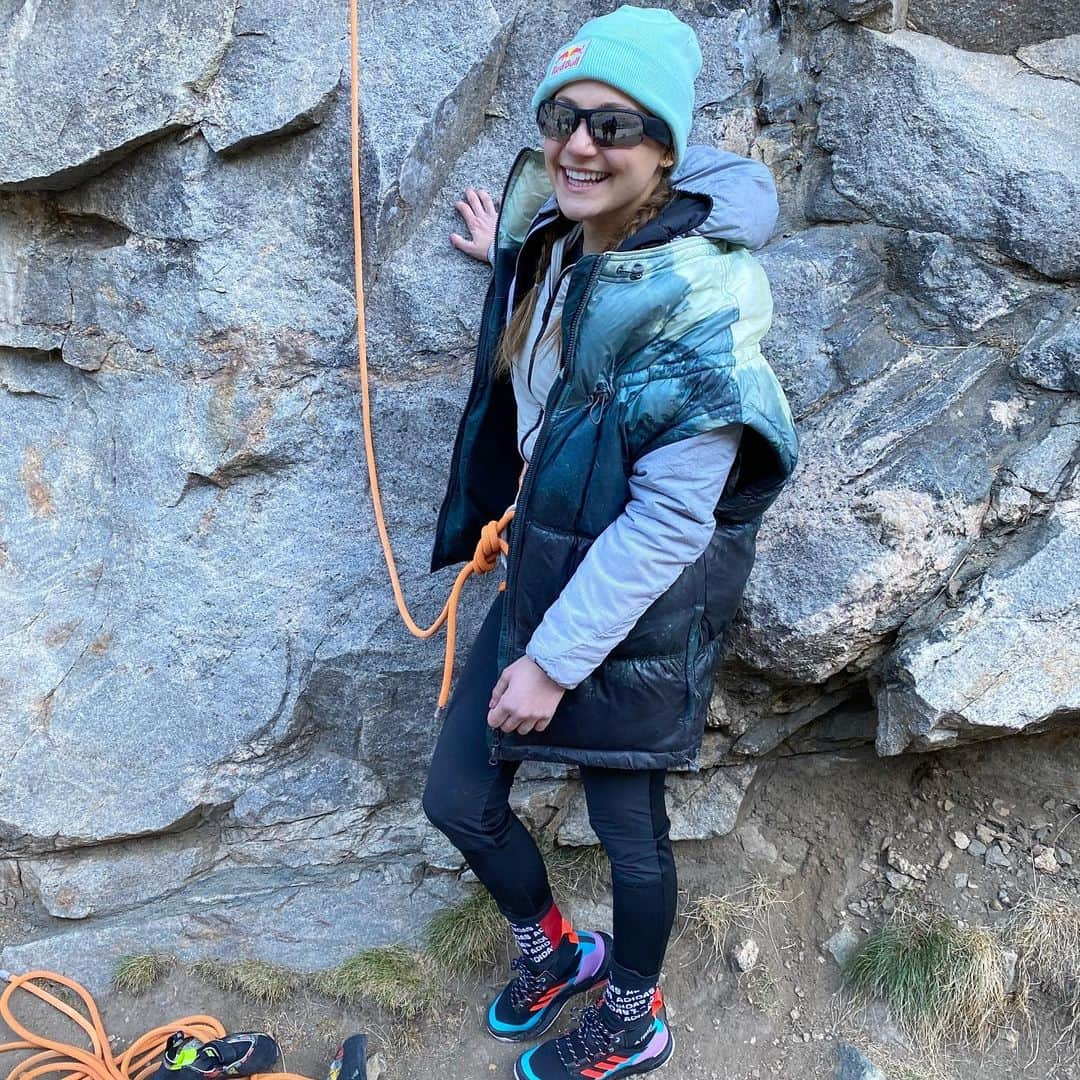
(601, 397)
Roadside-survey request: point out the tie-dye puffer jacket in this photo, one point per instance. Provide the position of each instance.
(660, 341)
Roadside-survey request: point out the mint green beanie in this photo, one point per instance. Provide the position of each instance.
(645, 52)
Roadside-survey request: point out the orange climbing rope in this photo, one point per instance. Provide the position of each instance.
(491, 543)
(141, 1058)
(137, 1062)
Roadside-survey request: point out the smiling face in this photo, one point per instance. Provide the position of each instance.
(602, 188)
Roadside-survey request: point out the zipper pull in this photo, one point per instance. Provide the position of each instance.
(493, 758)
(634, 273)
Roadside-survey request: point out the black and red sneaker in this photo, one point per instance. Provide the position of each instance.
(595, 1050)
(531, 1002)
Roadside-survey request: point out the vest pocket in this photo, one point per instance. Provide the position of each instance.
(548, 560)
(727, 563)
(635, 705)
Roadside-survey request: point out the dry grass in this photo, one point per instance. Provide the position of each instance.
(298, 1028)
(262, 982)
(942, 981)
(393, 976)
(1046, 934)
(138, 972)
(897, 1066)
(575, 870)
(468, 937)
(762, 987)
(712, 918)
(396, 1040)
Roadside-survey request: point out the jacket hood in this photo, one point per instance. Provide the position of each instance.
(741, 193)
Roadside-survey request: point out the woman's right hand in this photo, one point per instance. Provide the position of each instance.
(478, 211)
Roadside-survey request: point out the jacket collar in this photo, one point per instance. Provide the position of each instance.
(529, 205)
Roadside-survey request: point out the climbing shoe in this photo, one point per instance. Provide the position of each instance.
(244, 1054)
(531, 1002)
(351, 1060)
(595, 1050)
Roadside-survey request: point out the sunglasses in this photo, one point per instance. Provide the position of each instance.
(606, 127)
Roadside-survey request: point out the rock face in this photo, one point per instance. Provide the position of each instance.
(117, 80)
(979, 146)
(211, 718)
(853, 1064)
(992, 25)
(1007, 659)
(1059, 58)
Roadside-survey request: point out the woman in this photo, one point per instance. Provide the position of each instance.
(618, 363)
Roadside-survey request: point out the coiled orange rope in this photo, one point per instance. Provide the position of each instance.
(487, 550)
(137, 1062)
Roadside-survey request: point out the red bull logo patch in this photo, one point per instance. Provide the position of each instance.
(570, 57)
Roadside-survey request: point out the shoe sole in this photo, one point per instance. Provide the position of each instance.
(635, 1070)
(599, 979)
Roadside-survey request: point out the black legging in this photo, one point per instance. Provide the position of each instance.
(467, 798)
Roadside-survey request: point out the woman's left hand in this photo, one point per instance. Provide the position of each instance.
(524, 698)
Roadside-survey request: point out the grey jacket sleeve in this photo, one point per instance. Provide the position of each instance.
(664, 527)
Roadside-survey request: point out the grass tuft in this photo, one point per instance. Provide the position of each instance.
(712, 918)
(265, 983)
(1046, 934)
(575, 870)
(469, 936)
(899, 1065)
(138, 972)
(392, 976)
(941, 980)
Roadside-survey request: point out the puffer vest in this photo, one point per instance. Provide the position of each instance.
(659, 343)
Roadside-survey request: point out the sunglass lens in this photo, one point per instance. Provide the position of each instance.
(616, 129)
(556, 121)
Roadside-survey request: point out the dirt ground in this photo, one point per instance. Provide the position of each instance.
(824, 830)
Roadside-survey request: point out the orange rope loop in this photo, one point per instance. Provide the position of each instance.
(137, 1062)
